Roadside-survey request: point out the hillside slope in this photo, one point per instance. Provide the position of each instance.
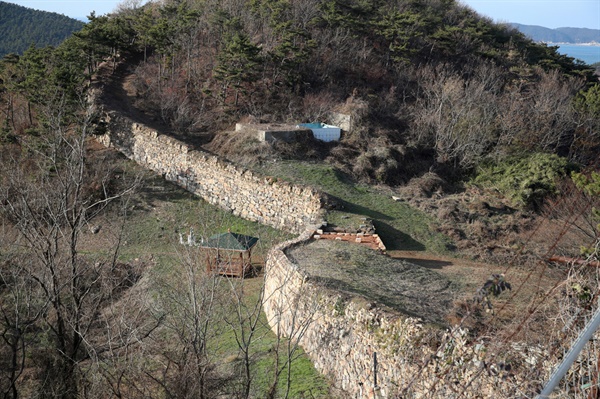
(21, 27)
(431, 87)
(428, 84)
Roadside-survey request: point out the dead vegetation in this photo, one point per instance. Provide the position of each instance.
(481, 225)
(358, 271)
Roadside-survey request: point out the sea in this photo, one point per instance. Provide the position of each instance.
(588, 53)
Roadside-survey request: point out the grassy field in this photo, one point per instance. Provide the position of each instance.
(400, 226)
(155, 218)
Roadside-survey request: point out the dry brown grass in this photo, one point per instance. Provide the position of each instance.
(534, 288)
(438, 289)
(358, 271)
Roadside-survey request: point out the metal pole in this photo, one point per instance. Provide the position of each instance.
(374, 369)
(571, 356)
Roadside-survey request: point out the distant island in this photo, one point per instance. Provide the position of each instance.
(559, 35)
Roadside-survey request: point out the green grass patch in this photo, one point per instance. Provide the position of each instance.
(224, 328)
(400, 226)
(161, 211)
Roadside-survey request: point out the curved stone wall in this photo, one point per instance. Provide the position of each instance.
(344, 338)
(369, 352)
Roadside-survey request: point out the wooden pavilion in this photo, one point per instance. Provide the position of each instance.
(229, 254)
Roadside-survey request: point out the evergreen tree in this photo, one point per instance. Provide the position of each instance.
(21, 27)
(238, 61)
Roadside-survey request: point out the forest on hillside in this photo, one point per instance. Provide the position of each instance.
(433, 88)
(430, 84)
(431, 80)
(21, 27)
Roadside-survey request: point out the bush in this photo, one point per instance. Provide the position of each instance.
(525, 180)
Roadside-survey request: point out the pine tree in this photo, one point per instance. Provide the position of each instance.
(238, 61)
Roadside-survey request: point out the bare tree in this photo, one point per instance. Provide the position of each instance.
(191, 301)
(539, 114)
(458, 117)
(293, 310)
(244, 321)
(128, 6)
(51, 195)
(20, 309)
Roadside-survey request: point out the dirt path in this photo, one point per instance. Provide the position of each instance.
(119, 94)
(444, 264)
(530, 284)
(473, 274)
(470, 274)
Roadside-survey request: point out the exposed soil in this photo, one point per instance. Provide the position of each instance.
(120, 94)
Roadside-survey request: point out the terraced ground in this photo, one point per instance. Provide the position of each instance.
(356, 270)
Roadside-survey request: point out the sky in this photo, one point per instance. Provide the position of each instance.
(547, 13)
(78, 9)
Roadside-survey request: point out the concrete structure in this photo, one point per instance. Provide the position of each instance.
(271, 132)
(322, 131)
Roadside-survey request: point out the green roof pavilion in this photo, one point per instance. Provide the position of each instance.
(229, 242)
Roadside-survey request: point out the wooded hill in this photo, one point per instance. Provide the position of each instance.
(431, 84)
(435, 90)
(559, 35)
(21, 27)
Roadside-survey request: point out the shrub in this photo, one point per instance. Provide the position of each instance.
(525, 180)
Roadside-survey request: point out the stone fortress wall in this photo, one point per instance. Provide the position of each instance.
(370, 352)
(342, 337)
(244, 193)
(339, 342)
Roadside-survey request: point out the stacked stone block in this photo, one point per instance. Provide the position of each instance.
(238, 190)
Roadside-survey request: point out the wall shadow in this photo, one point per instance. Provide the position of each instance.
(426, 263)
(343, 205)
(392, 238)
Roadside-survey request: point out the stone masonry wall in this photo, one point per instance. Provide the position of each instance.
(233, 188)
(342, 335)
(339, 341)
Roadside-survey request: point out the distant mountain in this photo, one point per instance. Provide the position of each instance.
(20, 27)
(559, 35)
